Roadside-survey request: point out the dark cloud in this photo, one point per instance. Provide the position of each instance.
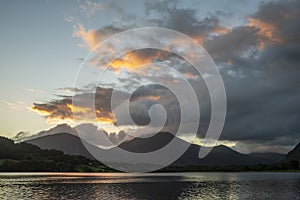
(262, 84)
(55, 109)
(20, 136)
(64, 109)
(231, 47)
(185, 20)
(284, 15)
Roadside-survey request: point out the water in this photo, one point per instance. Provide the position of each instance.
(114, 186)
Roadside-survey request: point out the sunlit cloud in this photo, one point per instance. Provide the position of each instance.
(258, 60)
(221, 30)
(266, 30)
(135, 59)
(208, 142)
(89, 37)
(64, 113)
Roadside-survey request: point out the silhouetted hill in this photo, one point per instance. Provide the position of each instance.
(276, 157)
(294, 154)
(292, 159)
(60, 128)
(65, 142)
(143, 145)
(219, 156)
(27, 157)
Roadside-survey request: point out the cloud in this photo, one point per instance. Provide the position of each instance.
(20, 136)
(63, 109)
(267, 31)
(35, 90)
(99, 137)
(91, 37)
(263, 93)
(18, 106)
(185, 20)
(69, 18)
(167, 15)
(135, 59)
(90, 7)
(259, 61)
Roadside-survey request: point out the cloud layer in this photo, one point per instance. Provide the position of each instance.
(259, 61)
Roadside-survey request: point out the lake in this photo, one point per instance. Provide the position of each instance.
(116, 186)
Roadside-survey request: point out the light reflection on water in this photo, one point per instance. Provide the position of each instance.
(150, 186)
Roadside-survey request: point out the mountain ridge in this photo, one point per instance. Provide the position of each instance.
(294, 154)
(219, 156)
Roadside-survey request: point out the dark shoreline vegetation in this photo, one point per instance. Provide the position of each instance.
(24, 157)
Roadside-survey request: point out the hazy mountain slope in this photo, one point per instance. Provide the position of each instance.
(65, 142)
(294, 154)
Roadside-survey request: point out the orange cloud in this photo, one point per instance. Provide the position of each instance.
(218, 30)
(266, 30)
(78, 109)
(221, 30)
(135, 59)
(148, 97)
(105, 120)
(129, 61)
(190, 75)
(62, 112)
(199, 39)
(89, 37)
(41, 112)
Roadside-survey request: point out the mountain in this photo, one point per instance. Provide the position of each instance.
(292, 159)
(65, 142)
(294, 154)
(65, 138)
(276, 157)
(61, 128)
(24, 157)
(143, 145)
(219, 156)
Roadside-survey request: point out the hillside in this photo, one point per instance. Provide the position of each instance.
(24, 157)
(65, 142)
(219, 156)
(292, 159)
(294, 154)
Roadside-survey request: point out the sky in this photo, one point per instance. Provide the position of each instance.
(255, 45)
